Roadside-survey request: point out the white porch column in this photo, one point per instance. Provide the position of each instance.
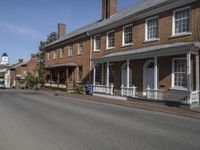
(102, 73)
(197, 72)
(107, 74)
(94, 74)
(155, 73)
(189, 72)
(128, 73)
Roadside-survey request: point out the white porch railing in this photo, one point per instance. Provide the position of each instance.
(128, 91)
(103, 89)
(62, 86)
(185, 97)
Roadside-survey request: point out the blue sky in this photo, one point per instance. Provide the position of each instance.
(24, 23)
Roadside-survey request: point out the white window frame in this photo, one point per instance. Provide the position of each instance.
(107, 42)
(62, 52)
(55, 54)
(79, 48)
(48, 56)
(95, 37)
(173, 22)
(173, 75)
(70, 51)
(123, 35)
(146, 29)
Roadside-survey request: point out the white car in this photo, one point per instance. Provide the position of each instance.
(2, 86)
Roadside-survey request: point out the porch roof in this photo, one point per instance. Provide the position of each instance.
(149, 52)
(65, 65)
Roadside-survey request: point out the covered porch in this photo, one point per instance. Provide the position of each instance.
(62, 76)
(164, 72)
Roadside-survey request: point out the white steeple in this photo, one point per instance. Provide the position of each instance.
(4, 59)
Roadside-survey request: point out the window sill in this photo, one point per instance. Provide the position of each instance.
(79, 54)
(97, 50)
(152, 40)
(178, 88)
(111, 48)
(181, 34)
(126, 45)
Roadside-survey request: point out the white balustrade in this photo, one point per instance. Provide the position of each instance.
(103, 89)
(47, 84)
(128, 91)
(180, 96)
(62, 86)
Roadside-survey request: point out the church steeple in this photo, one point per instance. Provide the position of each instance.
(4, 59)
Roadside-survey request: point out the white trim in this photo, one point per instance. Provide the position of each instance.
(173, 23)
(63, 54)
(55, 55)
(197, 72)
(155, 73)
(173, 76)
(108, 48)
(128, 73)
(48, 55)
(107, 73)
(146, 31)
(97, 50)
(94, 74)
(126, 26)
(189, 71)
(70, 51)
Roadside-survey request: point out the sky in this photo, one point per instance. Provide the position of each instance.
(24, 23)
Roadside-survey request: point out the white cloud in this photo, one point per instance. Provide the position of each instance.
(22, 30)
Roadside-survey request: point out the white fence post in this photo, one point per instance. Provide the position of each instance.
(134, 91)
(111, 89)
(148, 92)
(122, 90)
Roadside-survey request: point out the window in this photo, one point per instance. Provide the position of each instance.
(55, 54)
(98, 73)
(97, 43)
(127, 35)
(181, 21)
(62, 53)
(152, 28)
(110, 39)
(179, 73)
(80, 73)
(111, 73)
(70, 50)
(48, 56)
(81, 47)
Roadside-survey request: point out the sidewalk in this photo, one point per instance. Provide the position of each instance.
(159, 107)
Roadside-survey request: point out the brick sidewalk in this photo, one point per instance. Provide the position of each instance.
(147, 105)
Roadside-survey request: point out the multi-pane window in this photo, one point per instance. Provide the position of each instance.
(48, 56)
(181, 21)
(110, 39)
(81, 47)
(97, 43)
(127, 35)
(180, 75)
(152, 28)
(62, 53)
(55, 54)
(80, 73)
(98, 74)
(70, 51)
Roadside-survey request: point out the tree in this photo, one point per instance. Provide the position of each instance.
(30, 80)
(41, 56)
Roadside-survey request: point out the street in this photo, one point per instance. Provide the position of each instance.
(33, 121)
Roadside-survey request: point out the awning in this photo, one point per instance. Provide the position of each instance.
(149, 52)
(65, 65)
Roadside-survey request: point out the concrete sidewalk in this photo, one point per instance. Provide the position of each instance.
(141, 104)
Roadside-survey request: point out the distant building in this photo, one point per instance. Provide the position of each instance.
(20, 71)
(4, 59)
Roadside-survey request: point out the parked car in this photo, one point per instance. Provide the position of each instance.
(2, 86)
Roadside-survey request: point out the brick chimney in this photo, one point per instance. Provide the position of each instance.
(61, 30)
(20, 61)
(109, 7)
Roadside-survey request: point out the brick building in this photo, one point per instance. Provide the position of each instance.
(148, 49)
(20, 71)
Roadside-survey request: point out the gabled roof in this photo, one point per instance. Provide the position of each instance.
(134, 9)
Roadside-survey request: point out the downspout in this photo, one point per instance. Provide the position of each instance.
(90, 56)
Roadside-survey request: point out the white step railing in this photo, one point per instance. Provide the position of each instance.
(103, 89)
(128, 91)
(185, 97)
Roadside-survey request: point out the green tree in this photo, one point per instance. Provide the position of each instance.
(30, 80)
(41, 56)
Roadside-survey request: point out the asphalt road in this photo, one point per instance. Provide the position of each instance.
(30, 121)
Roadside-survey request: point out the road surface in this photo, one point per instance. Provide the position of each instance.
(32, 121)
